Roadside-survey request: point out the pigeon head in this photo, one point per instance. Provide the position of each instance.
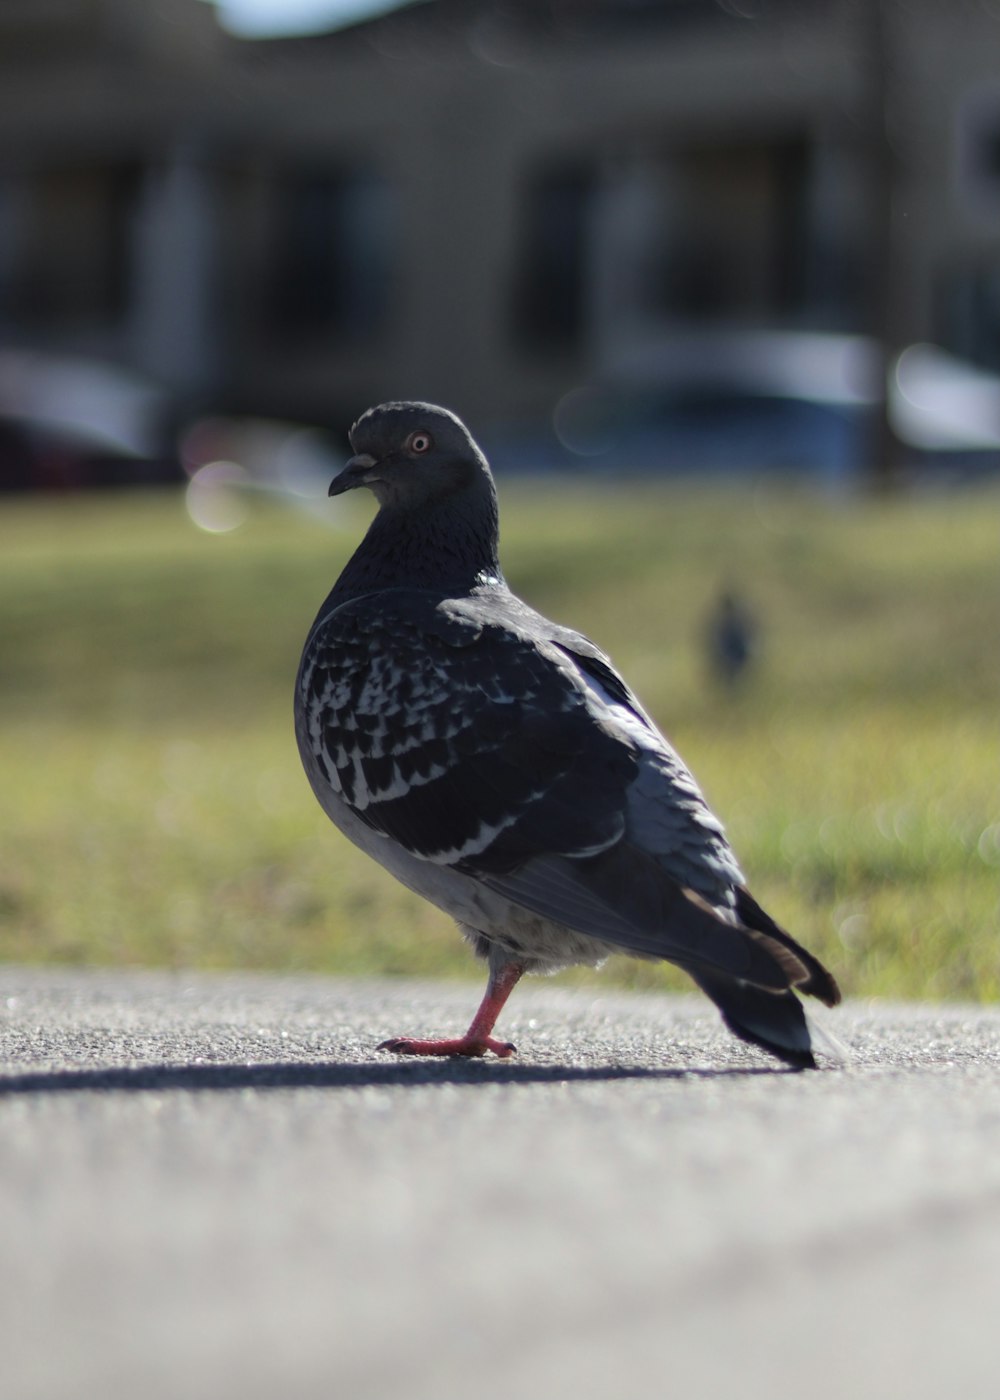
(437, 525)
(412, 454)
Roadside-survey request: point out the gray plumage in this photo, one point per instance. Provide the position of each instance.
(497, 764)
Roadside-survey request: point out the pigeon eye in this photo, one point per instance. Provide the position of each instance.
(419, 443)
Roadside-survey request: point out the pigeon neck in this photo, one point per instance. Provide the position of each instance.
(448, 547)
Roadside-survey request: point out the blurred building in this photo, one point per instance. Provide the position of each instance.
(482, 201)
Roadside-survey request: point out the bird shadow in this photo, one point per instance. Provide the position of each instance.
(336, 1075)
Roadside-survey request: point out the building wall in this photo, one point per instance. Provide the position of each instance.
(478, 209)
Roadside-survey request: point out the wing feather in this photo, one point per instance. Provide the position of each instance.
(483, 739)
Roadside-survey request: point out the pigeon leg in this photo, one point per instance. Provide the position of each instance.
(477, 1039)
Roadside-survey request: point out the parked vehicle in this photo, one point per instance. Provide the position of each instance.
(706, 401)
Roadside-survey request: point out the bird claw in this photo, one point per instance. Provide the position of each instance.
(466, 1046)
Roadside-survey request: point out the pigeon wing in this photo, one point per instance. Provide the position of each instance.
(485, 740)
(454, 736)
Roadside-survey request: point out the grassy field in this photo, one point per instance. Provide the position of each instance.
(153, 811)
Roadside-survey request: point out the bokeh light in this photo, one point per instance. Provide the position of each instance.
(216, 497)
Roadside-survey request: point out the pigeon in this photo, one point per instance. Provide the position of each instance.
(730, 637)
(498, 765)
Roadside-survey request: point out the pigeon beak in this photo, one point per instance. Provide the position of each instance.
(355, 473)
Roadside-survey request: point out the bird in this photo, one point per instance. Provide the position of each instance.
(730, 639)
(497, 763)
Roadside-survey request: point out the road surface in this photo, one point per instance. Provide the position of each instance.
(216, 1187)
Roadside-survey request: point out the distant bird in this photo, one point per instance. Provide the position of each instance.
(730, 639)
(497, 763)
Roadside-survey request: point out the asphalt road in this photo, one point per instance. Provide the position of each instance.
(215, 1187)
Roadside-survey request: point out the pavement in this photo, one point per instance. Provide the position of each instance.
(214, 1186)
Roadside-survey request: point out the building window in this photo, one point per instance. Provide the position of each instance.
(736, 237)
(549, 291)
(967, 312)
(978, 150)
(70, 253)
(331, 256)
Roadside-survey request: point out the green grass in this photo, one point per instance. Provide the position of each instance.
(153, 809)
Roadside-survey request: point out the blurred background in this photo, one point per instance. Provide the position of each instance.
(524, 207)
(716, 283)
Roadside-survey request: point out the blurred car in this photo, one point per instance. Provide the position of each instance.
(710, 401)
(69, 422)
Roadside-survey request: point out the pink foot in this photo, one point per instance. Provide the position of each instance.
(477, 1039)
(463, 1045)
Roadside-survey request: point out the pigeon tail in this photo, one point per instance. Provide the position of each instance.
(820, 983)
(773, 1021)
